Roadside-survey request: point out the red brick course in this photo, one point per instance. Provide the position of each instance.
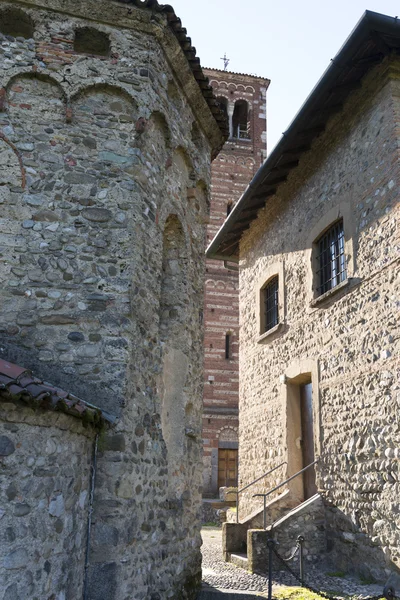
(232, 171)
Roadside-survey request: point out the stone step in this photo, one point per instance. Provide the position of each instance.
(239, 559)
(208, 593)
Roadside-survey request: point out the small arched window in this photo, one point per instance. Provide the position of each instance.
(16, 23)
(223, 104)
(240, 121)
(89, 40)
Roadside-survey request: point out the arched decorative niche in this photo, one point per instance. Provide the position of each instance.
(155, 141)
(173, 93)
(175, 362)
(34, 100)
(15, 22)
(173, 300)
(203, 196)
(100, 104)
(223, 105)
(196, 136)
(183, 171)
(91, 41)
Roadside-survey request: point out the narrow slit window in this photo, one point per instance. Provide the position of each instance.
(330, 258)
(271, 304)
(228, 345)
(229, 207)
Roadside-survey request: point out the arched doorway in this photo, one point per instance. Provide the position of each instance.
(227, 458)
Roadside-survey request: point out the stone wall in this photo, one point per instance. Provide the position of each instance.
(348, 344)
(103, 144)
(44, 503)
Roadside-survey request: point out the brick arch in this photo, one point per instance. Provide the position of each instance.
(228, 434)
(238, 97)
(218, 83)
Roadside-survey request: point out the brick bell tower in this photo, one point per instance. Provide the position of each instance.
(243, 97)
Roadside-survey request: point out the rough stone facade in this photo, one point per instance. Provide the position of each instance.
(104, 186)
(231, 172)
(345, 343)
(45, 491)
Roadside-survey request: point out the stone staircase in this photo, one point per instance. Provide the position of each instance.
(307, 519)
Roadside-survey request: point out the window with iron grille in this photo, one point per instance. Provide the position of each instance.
(330, 258)
(271, 303)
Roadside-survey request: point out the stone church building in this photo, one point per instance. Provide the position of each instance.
(107, 130)
(316, 236)
(243, 99)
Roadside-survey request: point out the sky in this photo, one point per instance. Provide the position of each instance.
(290, 42)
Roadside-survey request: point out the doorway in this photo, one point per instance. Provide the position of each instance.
(301, 399)
(307, 439)
(227, 467)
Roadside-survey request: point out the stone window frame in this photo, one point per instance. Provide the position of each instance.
(341, 211)
(271, 271)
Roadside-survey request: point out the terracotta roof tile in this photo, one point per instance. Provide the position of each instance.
(17, 383)
(180, 33)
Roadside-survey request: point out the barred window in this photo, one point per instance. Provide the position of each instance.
(330, 258)
(271, 304)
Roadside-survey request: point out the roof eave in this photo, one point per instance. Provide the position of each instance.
(369, 23)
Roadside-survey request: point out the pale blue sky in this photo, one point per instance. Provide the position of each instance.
(289, 42)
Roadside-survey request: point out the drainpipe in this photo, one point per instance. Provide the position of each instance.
(89, 523)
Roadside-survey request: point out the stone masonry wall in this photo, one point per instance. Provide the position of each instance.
(352, 337)
(231, 172)
(97, 154)
(44, 503)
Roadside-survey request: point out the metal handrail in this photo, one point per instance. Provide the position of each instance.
(279, 486)
(252, 483)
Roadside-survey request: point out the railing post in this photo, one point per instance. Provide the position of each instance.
(270, 546)
(265, 513)
(300, 541)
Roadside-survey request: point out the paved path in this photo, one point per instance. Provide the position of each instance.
(219, 575)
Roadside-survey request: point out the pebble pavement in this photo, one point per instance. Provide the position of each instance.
(219, 575)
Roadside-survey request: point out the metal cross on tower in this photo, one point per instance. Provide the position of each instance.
(226, 61)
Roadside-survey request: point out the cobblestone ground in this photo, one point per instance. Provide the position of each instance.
(225, 576)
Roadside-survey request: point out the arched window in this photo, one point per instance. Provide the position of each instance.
(240, 121)
(223, 104)
(16, 23)
(89, 40)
